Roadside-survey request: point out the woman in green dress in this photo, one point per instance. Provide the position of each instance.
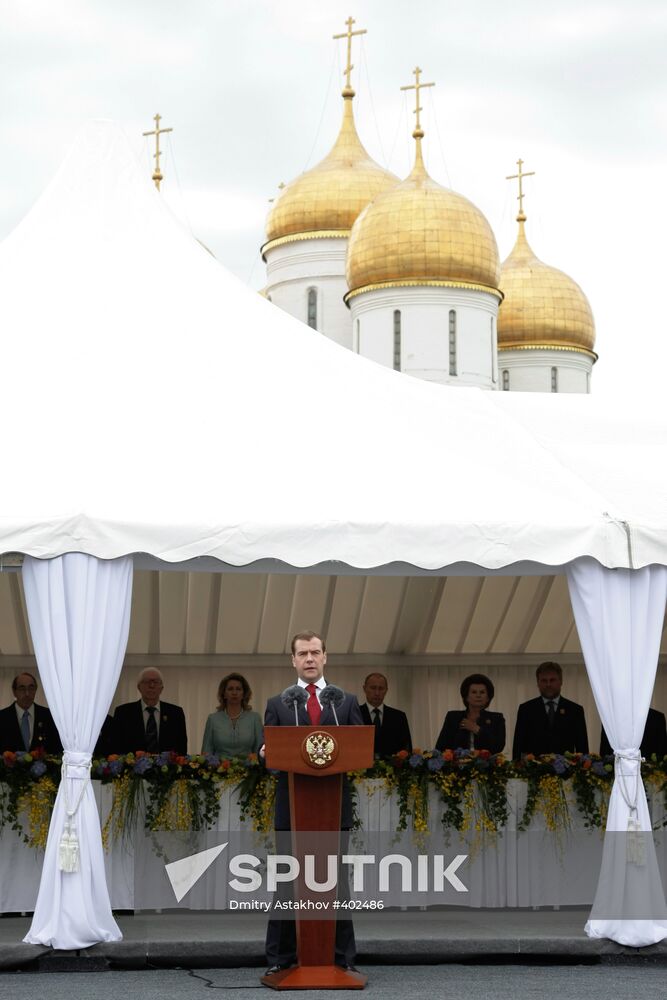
(234, 730)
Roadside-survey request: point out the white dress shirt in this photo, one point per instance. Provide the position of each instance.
(373, 708)
(320, 685)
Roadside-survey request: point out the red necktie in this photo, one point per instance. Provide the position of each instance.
(313, 705)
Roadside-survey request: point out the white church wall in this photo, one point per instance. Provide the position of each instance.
(425, 325)
(545, 370)
(293, 269)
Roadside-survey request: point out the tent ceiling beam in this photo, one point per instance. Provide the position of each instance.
(370, 661)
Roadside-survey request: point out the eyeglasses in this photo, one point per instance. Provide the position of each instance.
(25, 689)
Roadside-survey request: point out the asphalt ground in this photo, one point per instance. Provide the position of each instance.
(433, 982)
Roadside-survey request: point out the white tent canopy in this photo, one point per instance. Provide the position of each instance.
(161, 409)
(167, 409)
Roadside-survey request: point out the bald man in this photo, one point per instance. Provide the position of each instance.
(150, 724)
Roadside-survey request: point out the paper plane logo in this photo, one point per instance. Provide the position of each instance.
(185, 873)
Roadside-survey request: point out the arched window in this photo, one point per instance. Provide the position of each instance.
(506, 379)
(554, 380)
(397, 340)
(452, 342)
(312, 308)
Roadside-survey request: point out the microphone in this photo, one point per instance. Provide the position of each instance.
(294, 697)
(334, 696)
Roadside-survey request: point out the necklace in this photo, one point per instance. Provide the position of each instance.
(234, 718)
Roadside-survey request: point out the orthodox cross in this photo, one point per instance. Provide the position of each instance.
(520, 176)
(349, 34)
(417, 86)
(157, 132)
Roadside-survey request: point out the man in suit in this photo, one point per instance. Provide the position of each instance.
(150, 724)
(654, 740)
(26, 725)
(309, 658)
(549, 723)
(106, 741)
(392, 731)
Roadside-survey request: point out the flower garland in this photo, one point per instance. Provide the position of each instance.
(125, 805)
(591, 779)
(178, 792)
(181, 792)
(28, 786)
(654, 774)
(472, 785)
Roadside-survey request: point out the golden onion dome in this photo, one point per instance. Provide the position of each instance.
(326, 200)
(421, 233)
(543, 307)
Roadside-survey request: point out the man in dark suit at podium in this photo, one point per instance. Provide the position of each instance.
(24, 725)
(549, 723)
(150, 724)
(309, 658)
(654, 740)
(392, 730)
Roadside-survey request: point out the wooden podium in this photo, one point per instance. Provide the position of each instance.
(315, 759)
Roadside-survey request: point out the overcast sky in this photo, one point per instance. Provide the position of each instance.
(252, 90)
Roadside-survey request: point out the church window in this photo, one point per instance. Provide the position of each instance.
(494, 356)
(312, 308)
(554, 380)
(506, 379)
(397, 340)
(452, 342)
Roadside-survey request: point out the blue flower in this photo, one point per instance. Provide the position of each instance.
(598, 768)
(559, 764)
(435, 764)
(38, 769)
(115, 767)
(415, 760)
(142, 765)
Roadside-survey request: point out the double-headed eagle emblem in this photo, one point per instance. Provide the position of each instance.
(320, 749)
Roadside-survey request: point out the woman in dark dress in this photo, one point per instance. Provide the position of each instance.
(475, 728)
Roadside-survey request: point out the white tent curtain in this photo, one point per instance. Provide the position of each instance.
(79, 613)
(619, 615)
